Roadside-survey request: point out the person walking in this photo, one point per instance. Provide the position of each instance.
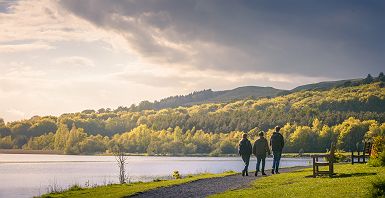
(244, 150)
(260, 149)
(276, 143)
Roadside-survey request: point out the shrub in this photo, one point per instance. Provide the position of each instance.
(176, 175)
(215, 153)
(75, 188)
(340, 157)
(377, 157)
(378, 146)
(377, 161)
(378, 189)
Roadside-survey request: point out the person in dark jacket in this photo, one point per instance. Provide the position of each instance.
(244, 150)
(276, 143)
(260, 149)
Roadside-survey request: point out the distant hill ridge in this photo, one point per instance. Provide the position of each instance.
(241, 93)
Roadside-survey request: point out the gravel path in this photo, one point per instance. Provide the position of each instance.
(205, 187)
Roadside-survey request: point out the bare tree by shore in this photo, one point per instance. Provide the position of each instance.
(121, 159)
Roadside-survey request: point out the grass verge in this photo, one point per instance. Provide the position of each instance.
(349, 181)
(124, 190)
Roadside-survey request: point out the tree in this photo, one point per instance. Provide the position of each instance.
(227, 147)
(381, 77)
(60, 138)
(43, 142)
(351, 133)
(369, 79)
(121, 159)
(75, 137)
(4, 131)
(43, 126)
(304, 138)
(6, 142)
(93, 144)
(88, 111)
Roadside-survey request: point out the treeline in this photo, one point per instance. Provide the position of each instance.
(315, 138)
(330, 107)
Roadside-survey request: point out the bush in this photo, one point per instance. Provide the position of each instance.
(378, 146)
(215, 153)
(75, 188)
(176, 175)
(377, 161)
(340, 157)
(377, 157)
(378, 189)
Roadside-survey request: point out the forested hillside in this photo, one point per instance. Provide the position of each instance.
(205, 96)
(240, 93)
(306, 115)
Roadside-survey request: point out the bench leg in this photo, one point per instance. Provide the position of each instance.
(314, 173)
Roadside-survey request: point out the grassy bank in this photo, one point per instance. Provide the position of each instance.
(349, 181)
(123, 190)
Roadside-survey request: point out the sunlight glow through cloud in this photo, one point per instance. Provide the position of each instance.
(65, 56)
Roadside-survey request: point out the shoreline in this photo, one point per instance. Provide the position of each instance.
(22, 151)
(51, 152)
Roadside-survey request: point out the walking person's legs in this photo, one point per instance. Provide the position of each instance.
(277, 161)
(258, 165)
(274, 162)
(246, 160)
(263, 165)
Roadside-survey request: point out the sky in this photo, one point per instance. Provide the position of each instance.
(59, 56)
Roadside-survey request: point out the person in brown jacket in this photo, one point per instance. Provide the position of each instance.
(260, 149)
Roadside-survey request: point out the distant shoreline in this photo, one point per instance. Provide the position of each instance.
(22, 151)
(50, 152)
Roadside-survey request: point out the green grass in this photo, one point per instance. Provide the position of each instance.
(123, 190)
(350, 181)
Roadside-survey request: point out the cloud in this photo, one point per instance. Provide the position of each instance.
(158, 77)
(75, 61)
(39, 24)
(17, 112)
(8, 48)
(308, 38)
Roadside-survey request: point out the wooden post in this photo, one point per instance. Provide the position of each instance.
(314, 174)
(331, 166)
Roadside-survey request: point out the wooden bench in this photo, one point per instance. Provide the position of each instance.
(329, 163)
(361, 156)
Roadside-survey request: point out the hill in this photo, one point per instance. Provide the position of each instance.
(209, 96)
(241, 93)
(205, 96)
(327, 85)
(247, 92)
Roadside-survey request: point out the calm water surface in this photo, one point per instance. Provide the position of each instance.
(27, 175)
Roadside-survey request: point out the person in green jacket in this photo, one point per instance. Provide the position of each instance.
(260, 149)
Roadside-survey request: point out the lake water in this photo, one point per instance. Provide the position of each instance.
(27, 175)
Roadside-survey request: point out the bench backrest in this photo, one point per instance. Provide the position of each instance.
(368, 148)
(332, 150)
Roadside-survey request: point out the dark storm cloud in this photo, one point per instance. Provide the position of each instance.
(337, 39)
